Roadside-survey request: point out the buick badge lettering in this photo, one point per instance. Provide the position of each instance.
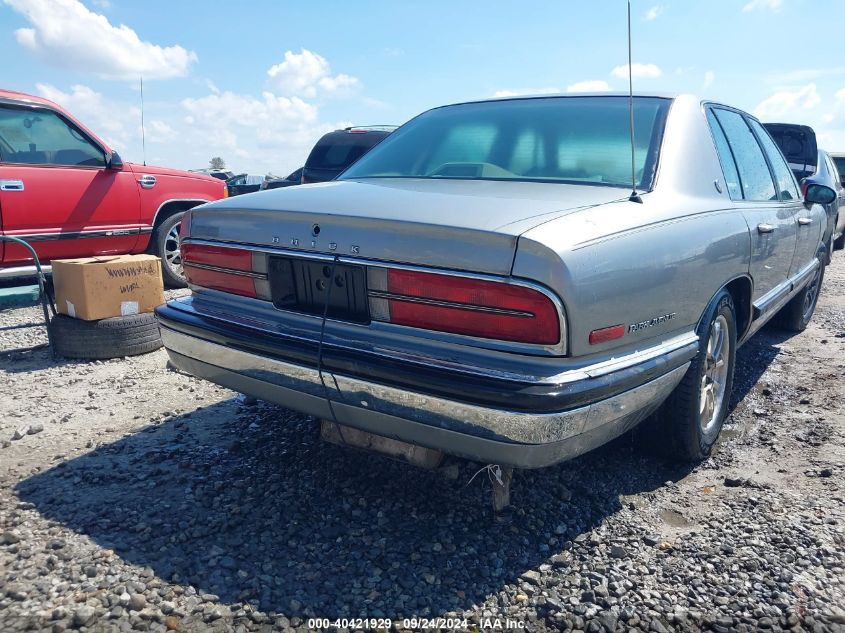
(644, 325)
(332, 246)
(294, 241)
(276, 239)
(355, 250)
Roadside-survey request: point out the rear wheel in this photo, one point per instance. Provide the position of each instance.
(688, 423)
(839, 242)
(165, 244)
(796, 315)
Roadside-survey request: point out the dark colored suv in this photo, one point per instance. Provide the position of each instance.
(337, 150)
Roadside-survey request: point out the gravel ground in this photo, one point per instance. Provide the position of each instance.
(138, 498)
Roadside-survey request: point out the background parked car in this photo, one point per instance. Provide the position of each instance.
(337, 150)
(293, 178)
(244, 183)
(838, 160)
(799, 146)
(64, 190)
(220, 174)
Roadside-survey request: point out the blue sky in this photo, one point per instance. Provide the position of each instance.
(257, 84)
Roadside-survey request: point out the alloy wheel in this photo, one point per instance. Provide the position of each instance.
(811, 296)
(714, 378)
(172, 252)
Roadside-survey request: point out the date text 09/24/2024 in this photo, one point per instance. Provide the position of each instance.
(447, 624)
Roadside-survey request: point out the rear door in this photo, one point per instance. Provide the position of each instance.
(772, 219)
(56, 191)
(810, 222)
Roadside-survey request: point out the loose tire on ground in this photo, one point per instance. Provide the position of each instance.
(164, 243)
(796, 315)
(107, 338)
(688, 423)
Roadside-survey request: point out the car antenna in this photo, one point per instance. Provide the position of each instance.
(143, 135)
(634, 197)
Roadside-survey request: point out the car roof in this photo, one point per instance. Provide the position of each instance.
(14, 95)
(565, 95)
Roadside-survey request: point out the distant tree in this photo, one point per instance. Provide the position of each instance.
(217, 163)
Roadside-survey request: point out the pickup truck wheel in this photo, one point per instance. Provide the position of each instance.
(795, 316)
(165, 244)
(106, 338)
(688, 423)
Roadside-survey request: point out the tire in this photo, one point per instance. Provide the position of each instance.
(796, 315)
(685, 427)
(164, 243)
(839, 242)
(107, 338)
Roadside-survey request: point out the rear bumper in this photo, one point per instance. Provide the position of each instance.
(462, 421)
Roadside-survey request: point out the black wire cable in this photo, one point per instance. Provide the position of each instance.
(320, 348)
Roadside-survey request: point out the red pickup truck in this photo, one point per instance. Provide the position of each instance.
(68, 194)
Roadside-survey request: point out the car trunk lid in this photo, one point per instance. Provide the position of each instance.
(458, 225)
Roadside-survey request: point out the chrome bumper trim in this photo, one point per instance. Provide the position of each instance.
(23, 271)
(279, 379)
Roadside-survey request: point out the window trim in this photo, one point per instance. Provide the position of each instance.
(718, 157)
(15, 105)
(779, 193)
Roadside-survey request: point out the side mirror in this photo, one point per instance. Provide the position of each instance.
(816, 193)
(114, 161)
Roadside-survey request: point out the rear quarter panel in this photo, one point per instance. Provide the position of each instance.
(671, 267)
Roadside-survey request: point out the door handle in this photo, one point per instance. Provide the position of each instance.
(11, 185)
(805, 221)
(147, 181)
(765, 228)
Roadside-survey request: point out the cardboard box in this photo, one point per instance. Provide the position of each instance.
(94, 288)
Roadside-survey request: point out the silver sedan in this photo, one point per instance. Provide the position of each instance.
(497, 280)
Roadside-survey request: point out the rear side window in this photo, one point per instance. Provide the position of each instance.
(726, 158)
(787, 187)
(338, 150)
(41, 137)
(755, 177)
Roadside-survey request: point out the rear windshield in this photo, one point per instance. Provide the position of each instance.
(338, 150)
(840, 164)
(563, 139)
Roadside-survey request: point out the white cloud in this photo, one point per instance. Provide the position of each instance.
(709, 78)
(654, 12)
(68, 34)
(518, 92)
(590, 85)
(212, 86)
(638, 71)
(754, 5)
(268, 133)
(832, 117)
(114, 122)
(304, 73)
(787, 102)
(102, 4)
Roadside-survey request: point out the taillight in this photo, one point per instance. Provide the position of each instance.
(185, 226)
(462, 305)
(219, 268)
